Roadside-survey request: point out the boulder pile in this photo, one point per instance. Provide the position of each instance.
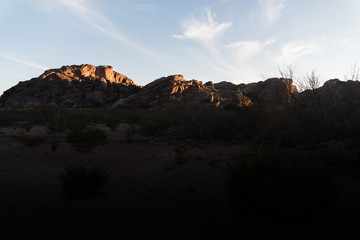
(80, 86)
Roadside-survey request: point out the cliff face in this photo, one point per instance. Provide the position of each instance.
(90, 86)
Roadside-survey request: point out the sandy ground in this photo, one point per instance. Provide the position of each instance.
(148, 196)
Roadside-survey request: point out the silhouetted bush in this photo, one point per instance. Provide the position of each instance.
(112, 123)
(156, 123)
(27, 126)
(83, 180)
(85, 140)
(180, 155)
(200, 123)
(53, 117)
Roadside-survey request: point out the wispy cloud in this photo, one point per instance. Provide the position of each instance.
(292, 51)
(271, 9)
(206, 31)
(28, 63)
(86, 11)
(248, 49)
(144, 6)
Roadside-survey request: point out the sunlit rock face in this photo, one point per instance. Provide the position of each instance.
(272, 92)
(72, 86)
(167, 92)
(89, 86)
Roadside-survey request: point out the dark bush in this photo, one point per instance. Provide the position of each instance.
(83, 180)
(180, 155)
(85, 140)
(112, 123)
(27, 126)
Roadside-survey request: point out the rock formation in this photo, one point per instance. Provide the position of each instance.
(72, 86)
(272, 92)
(336, 93)
(90, 86)
(174, 90)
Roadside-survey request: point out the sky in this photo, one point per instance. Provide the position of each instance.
(240, 41)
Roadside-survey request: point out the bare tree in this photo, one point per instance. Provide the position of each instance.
(310, 81)
(288, 73)
(354, 73)
(54, 118)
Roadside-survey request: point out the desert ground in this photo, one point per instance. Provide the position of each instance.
(149, 194)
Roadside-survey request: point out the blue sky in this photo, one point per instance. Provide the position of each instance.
(208, 40)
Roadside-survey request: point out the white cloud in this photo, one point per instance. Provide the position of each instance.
(86, 11)
(28, 63)
(206, 31)
(292, 51)
(248, 49)
(144, 6)
(271, 9)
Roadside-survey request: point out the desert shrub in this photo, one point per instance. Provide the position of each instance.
(31, 141)
(156, 123)
(84, 180)
(180, 151)
(112, 123)
(208, 123)
(54, 117)
(275, 183)
(85, 140)
(27, 126)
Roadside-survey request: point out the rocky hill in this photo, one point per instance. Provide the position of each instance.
(174, 90)
(72, 86)
(89, 86)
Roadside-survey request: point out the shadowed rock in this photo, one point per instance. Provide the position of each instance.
(335, 93)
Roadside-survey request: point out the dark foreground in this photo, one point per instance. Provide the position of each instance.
(151, 196)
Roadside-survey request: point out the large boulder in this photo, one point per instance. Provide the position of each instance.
(336, 93)
(72, 86)
(275, 92)
(231, 95)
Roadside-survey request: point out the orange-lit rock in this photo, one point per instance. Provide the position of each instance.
(89, 86)
(173, 91)
(73, 86)
(271, 92)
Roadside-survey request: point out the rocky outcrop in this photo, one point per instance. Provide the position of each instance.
(336, 93)
(272, 92)
(72, 86)
(90, 86)
(173, 90)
